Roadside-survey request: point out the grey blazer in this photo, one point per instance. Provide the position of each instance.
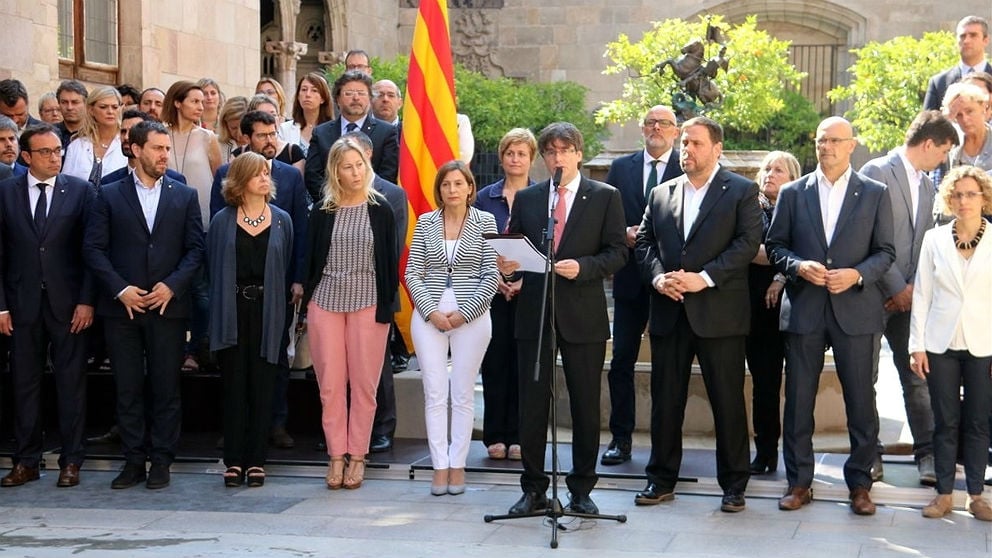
(906, 236)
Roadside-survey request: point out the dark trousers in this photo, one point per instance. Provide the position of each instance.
(954, 416)
(854, 356)
(915, 394)
(765, 351)
(148, 347)
(722, 362)
(384, 423)
(248, 386)
(583, 365)
(630, 316)
(28, 355)
(500, 377)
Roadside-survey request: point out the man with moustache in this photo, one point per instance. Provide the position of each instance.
(151, 101)
(831, 235)
(130, 119)
(635, 175)
(46, 298)
(71, 95)
(144, 243)
(9, 165)
(352, 92)
(291, 196)
(700, 231)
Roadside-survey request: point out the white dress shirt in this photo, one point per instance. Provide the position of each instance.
(831, 199)
(34, 193)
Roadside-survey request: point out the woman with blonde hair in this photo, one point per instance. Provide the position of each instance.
(95, 150)
(213, 100)
(350, 279)
(230, 137)
(272, 88)
(249, 246)
(950, 341)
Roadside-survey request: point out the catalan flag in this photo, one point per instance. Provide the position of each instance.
(429, 137)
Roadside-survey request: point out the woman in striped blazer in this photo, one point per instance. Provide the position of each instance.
(451, 275)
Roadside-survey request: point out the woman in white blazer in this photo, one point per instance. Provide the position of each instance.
(950, 339)
(451, 275)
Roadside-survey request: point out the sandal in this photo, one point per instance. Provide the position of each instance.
(335, 473)
(256, 477)
(356, 474)
(234, 477)
(497, 451)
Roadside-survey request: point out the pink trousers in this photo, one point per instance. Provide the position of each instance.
(347, 350)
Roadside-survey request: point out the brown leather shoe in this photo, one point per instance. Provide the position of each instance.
(68, 476)
(861, 503)
(979, 507)
(941, 505)
(20, 475)
(795, 498)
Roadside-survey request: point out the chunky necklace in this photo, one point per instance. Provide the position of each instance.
(971, 244)
(253, 222)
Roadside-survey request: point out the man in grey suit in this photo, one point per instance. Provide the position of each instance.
(973, 39)
(831, 235)
(928, 140)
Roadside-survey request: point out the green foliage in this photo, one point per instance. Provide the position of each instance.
(497, 105)
(790, 129)
(754, 85)
(888, 83)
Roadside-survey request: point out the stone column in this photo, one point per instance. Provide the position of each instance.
(287, 53)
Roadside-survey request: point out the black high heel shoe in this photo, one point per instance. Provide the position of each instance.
(763, 464)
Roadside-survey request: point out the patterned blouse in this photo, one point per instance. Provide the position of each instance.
(348, 282)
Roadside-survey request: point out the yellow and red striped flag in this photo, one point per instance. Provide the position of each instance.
(429, 136)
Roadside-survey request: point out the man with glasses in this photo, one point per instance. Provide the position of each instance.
(386, 101)
(46, 298)
(635, 175)
(357, 60)
(589, 247)
(832, 236)
(352, 92)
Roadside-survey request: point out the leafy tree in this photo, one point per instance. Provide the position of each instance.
(790, 129)
(496, 105)
(754, 85)
(888, 82)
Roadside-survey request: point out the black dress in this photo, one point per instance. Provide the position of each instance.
(248, 377)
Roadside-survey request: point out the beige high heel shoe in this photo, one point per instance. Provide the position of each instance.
(439, 484)
(335, 473)
(355, 475)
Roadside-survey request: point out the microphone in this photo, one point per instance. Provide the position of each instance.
(556, 179)
(555, 183)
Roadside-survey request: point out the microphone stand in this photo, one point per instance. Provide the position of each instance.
(555, 511)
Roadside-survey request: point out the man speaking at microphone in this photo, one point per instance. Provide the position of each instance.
(588, 224)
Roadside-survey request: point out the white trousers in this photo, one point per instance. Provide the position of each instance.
(468, 345)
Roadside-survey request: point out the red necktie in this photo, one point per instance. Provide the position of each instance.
(559, 216)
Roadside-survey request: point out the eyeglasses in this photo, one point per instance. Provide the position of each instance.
(46, 152)
(356, 67)
(558, 152)
(387, 94)
(831, 141)
(965, 195)
(266, 135)
(663, 122)
(270, 92)
(355, 93)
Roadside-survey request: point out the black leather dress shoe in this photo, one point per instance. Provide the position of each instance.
(530, 502)
(654, 494)
(130, 475)
(617, 453)
(381, 444)
(158, 476)
(763, 464)
(733, 501)
(582, 503)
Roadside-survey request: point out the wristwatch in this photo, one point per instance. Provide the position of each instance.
(861, 281)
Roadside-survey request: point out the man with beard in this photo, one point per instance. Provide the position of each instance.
(144, 243)
(130, 119)
(151, 101)
(352, 93)
(71, 95)
(261, 130)
(9, 166)
(46, 298)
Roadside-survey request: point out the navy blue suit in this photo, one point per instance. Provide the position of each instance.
(937, 86)
(385, 151)
(631, 298)
(122, 251)
(42, 280)
(123, 172)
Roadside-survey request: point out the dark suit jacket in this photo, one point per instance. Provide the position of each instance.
(291, 197)
(722, 242)
(938, 85)
(397, 199)
(627, 175)
(121, 250)
(53, 256)
(122, 173)
(385, 151)
(862, 240)
(5, 172)
(907, 237)
(593, 236)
